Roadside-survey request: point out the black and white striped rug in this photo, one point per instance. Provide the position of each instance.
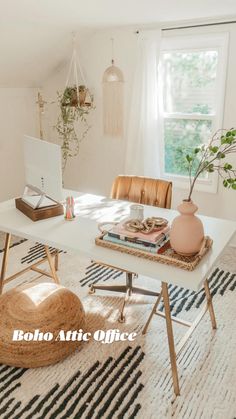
(123, 380)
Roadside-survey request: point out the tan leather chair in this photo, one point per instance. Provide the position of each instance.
(142, 190)
(145, 191)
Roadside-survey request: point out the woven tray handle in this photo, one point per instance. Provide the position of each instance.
(206, 244)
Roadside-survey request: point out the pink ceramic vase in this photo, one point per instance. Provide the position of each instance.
(187, 233)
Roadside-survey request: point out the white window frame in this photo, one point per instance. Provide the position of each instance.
(218, 41)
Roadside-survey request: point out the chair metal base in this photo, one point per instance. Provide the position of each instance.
(126, 289)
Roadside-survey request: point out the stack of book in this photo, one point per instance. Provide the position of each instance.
(151, 242)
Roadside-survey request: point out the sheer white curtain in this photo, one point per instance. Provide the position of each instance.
(142, 157)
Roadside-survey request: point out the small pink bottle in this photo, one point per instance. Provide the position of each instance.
(70, 208)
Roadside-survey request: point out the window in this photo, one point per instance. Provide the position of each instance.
(192, 83)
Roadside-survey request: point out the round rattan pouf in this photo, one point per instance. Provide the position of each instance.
(45, 308)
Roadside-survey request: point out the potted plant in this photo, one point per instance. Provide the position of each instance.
(72, 125)
(69, 97)
(76, 96)
(187, 232)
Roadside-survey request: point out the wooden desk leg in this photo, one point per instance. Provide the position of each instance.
(51, 265)
(5, 260)
(56, 259)
(170, 335)
(152, 313)
(210, 305)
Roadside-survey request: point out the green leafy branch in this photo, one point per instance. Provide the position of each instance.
(211, 158)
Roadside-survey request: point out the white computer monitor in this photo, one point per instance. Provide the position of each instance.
(43, 167)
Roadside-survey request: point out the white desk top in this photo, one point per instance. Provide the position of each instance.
(78, 236)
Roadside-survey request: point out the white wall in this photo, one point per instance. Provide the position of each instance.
(102, 158)
(17, 117)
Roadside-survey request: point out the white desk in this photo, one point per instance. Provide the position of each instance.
(78, 236)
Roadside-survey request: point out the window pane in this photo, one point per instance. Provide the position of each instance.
(189, 81)
(181, 136)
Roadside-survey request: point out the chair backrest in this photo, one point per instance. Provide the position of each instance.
(142, 190)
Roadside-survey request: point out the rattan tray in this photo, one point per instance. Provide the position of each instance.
(168, 257)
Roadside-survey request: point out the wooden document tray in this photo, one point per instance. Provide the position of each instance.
(39, 213)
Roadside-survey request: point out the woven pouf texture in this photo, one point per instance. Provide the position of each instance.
(48, 307)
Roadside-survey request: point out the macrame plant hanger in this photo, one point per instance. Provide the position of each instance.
(75, 104)
(113, 81)
(82, 96)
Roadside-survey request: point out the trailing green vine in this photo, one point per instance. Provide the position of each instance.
(73, 115)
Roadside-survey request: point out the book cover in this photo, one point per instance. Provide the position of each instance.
(120, 232)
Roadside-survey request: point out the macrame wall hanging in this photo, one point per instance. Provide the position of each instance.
(41, 104)
(113, 81)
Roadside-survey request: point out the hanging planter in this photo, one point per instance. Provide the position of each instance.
(75, 103)
(82, 95)
(71, 98)
(113, 81)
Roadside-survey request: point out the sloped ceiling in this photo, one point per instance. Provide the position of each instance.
(35, 35)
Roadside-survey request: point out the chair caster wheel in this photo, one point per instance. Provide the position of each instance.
(121, 319)
(91, 290)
